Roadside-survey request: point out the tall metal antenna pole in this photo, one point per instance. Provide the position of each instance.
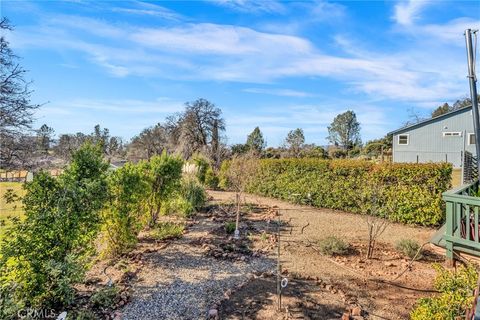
(473, 92)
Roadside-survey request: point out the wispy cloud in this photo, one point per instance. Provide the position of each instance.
(406, 12)
(279, 92)
(252, 6)
(208, 51)
(150, 9)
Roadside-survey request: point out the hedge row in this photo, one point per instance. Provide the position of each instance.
(409, 193)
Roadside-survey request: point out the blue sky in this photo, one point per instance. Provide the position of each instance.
(277, 65)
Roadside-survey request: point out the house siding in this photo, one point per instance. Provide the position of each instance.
(427, 143)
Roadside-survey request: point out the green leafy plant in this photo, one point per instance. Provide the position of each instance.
(230, 227)
(193, 192)
(456, 295)
(167, 230)
(45, 254)
(105, 297)
(409, 248)
(211, 179)
(121, 216)
(333, 246)
(163, 174)
(178, 206)
(412, 192)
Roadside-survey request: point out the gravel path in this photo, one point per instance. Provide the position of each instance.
(180, 282)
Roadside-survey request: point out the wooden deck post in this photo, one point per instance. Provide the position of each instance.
(450, 219)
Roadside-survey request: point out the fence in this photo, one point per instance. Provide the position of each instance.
(462, 227)
(24, 175)
(469, 168)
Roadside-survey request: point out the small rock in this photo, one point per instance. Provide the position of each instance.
(213, 313)
(356, 311)
(389, 264)
(346, 316)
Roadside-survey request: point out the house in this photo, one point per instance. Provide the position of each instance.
(443, 138)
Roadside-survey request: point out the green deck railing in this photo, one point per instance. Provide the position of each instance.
(462, 232)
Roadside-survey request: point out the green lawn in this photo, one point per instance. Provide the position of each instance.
(11, 209)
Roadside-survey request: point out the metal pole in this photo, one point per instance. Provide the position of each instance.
(473, 92)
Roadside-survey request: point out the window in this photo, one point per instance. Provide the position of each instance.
(452, 134)
(403, 139)
(471, 138)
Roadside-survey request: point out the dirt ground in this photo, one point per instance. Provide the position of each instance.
(324, 287)
(207, 274)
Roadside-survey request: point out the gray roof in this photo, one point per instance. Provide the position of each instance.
(427, 121)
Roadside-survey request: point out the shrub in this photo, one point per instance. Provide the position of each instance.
(333, 246)
(43, 256)
(167, 230)
(409, 248)
(230, 227)
(163, 174)
(413, 190)
(202, 166)
(105, 297)
(82, 315)
(193, 192)
(456, 295)
(121, 216)
(179, 206)
(211, 179)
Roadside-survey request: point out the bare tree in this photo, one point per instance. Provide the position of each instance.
(240, 174)
(195, 128)
(150, 142)
(376, 212)
(16, 110)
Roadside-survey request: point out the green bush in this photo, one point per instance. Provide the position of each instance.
(178, 206)
(456, 295)
(44, 255)
(230, 227)
(211, 179)
(409, 248)
(412, 191)
(163, 175)
(333, 246)
(167, 230)
(202, 166)
(193, 192)
(105, 297)
(121, 216)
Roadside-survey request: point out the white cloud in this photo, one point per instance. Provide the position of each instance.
(406, 12)
(279, 92)
(207, 51)
(150, 9)
(252, 6)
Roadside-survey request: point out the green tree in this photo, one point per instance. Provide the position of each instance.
(295, 141)
(344, 131)
(43, 256)
(122, 213)
(163, 175)
(44, 138)
(255, 141)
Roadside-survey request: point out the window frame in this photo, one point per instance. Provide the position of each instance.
(451, 134)
(408, 139)
(469, 137)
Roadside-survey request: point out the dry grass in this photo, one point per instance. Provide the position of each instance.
(456, 178)
(10, 209)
